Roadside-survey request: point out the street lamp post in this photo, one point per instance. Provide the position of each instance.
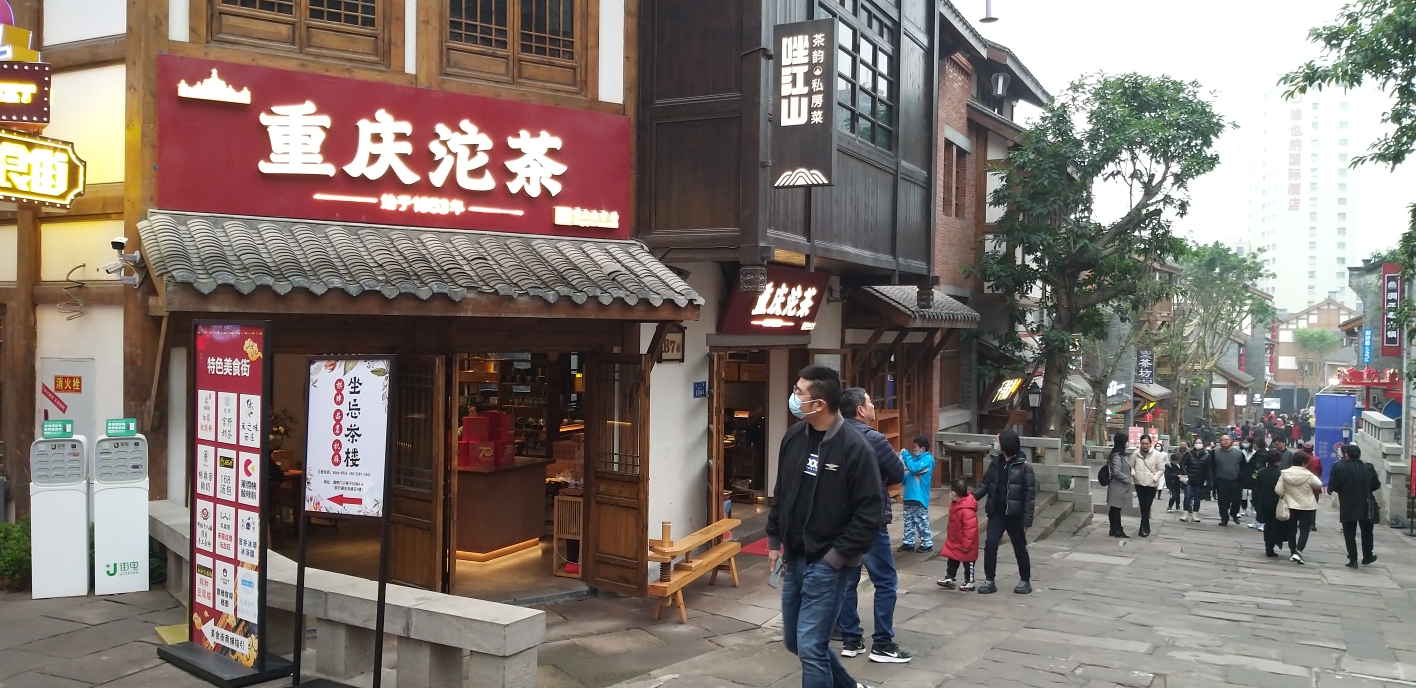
(1035, 401)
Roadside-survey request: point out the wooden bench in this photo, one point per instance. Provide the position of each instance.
(673, 576)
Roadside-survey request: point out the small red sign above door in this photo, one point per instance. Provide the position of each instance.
(246, 140)
(788, 306)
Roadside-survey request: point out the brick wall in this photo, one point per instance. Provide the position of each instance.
(954, 240)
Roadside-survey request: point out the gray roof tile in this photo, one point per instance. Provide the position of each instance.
(905, 297)
(207, 251)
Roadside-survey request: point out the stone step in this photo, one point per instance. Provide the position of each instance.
(1046, 522)
(1074, 523)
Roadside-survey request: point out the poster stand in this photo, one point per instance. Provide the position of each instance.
(208, 665)
(385, 515)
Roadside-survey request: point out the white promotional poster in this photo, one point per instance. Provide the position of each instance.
(226, 531)
(206, 470)
(250, 428)
(204, 578)
(347, 437)
(225, 587)
(206, 526)
(206, 415)
(248, 537)
(248, 476)
(226, 417)
(248, 597)
(226, 474)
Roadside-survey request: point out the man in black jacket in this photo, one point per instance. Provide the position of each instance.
(825, 513)
(1354, 481)
(1011, 488)
(879, 562)
(1195, 465)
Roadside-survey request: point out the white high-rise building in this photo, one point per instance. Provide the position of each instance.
(1306, 205)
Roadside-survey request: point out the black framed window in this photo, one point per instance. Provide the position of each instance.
(865, 79)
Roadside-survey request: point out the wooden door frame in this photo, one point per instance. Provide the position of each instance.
(715, 434)
(438, 497)
(449, 520)
(590, 546)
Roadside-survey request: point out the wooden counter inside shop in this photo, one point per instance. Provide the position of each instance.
(501, 511)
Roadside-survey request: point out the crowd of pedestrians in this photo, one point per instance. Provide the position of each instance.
(828, 523)
(1267, 472)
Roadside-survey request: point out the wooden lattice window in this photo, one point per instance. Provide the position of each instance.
(360, 13)
(517, 41)
(346, 29)
(478, 22)
(548, 28)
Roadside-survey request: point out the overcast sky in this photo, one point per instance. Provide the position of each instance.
(1235, 48)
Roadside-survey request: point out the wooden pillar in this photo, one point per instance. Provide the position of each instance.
(20, 362)
(144, 354)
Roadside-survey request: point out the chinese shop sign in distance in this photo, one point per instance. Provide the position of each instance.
(248, 140)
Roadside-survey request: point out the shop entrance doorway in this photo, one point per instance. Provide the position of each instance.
(740, 397)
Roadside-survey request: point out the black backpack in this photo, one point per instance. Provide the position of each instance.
(1103, 476)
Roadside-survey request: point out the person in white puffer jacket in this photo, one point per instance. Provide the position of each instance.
(1298, 487)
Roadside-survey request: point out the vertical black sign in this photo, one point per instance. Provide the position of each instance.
(804, 116)
(1391, 302)
(1145, 367)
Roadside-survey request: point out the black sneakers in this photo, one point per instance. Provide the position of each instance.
(889, 654)
(1369, 559)
(1023, 588)
(987, 588)
(852, 648)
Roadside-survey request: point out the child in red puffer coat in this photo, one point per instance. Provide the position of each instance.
(961, 543)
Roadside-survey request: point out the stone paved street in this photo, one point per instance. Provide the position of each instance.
(1193, 605)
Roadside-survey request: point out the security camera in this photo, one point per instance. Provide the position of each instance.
(114, 268)
(119, 243)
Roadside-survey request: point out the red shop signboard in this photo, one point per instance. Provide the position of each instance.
(788, 306)
(246, 140)
(230, 399)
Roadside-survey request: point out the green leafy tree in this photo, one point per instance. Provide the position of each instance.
(1374, 42)
(1314, 344)
(1215, 299)
(1056, 263)
(1126, 323)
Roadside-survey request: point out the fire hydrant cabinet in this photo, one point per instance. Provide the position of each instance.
(120, 514)
(59, 517)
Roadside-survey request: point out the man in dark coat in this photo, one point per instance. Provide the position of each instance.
(879, 561)
(1011, 488)
(826, 514)
(1353, 481)
(1266, 502)
(1196, 466)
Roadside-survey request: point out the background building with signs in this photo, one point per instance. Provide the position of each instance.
(543, 319)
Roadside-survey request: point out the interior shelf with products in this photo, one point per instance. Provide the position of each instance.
(540, 393)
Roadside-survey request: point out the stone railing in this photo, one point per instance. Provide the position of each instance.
(443, 640)
(1048, 449)
(1377, 437)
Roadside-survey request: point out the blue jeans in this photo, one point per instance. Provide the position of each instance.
(1193, 492)
(880, 564)
(811, 600)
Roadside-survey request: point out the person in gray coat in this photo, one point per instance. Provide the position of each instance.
(1118, 491)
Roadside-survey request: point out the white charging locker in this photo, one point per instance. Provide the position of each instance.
(59, 517)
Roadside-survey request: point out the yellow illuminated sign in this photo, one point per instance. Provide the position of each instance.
(35, 169)
(16, 94)
(1007, 389)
